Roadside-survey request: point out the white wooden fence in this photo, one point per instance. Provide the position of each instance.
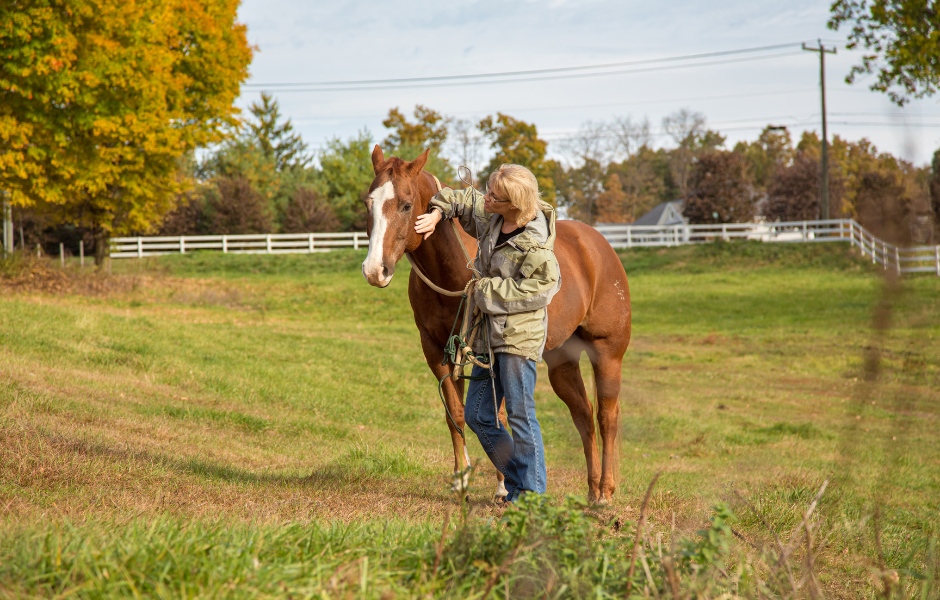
(917, 259)
(263, 243)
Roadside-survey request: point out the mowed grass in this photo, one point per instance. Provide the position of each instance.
(250, 394)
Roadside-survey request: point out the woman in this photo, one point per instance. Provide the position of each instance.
(515, 233)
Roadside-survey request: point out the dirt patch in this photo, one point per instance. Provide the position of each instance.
(31, 274)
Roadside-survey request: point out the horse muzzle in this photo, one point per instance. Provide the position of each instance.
(378, 275)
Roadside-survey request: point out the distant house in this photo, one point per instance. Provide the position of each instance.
(664, 214)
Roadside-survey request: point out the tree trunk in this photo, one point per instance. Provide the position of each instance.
(102, 256)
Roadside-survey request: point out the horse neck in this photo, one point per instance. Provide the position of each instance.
(441, 257)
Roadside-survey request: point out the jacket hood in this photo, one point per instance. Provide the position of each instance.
(540, 231)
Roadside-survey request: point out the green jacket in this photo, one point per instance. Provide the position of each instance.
(519, 278)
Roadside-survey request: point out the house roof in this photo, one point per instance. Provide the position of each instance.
(664, 213)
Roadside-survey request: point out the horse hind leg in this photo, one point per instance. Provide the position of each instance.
(501, 491)
(607, 374)
(564, 372)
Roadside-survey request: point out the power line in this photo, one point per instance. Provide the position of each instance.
(463, 83)
(528, 72)
(577, 106)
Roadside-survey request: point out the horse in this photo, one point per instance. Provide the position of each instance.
(590, 313)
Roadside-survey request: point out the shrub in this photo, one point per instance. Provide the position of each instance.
(308, 212)
(238, 208)
(720, 190)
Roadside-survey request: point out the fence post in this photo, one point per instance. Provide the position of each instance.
(310, 244)
(897, 260)
(224, 244)
(724, 232)
(805, 238)
(356, 240)
(629, 236)
(182, 244)
(884, 254)
(140, 247)
(268, 240)
(62, 255)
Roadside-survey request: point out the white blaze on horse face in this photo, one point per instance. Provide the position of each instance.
(374, 268)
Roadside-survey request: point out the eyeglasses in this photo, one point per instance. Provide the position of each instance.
(492, 196)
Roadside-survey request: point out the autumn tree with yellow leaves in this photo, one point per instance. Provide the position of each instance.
(100, 101)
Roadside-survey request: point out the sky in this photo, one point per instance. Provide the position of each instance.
(298, 42)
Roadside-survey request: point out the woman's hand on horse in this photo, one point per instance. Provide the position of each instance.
(426, 223)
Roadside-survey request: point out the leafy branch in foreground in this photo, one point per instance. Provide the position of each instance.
(902, 38)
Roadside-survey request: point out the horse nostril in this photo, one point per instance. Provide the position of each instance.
(384, 272)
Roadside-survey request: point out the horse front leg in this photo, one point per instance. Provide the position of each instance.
(453, 413)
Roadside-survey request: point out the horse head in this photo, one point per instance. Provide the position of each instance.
(398, 194)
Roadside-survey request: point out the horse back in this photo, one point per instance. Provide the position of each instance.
(594, 293)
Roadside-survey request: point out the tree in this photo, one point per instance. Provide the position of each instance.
(468, 145)
(590, 143)
(308, 212)
(772, 149)
(517, 142)
(643, 180)
(935, 188)
(902, 38)
(236, 207)
(720, 189)
(428, 130)
(100, 99)
(793, 192)
(189, 216)
(408, 140)
(630, 137)
(578, 189)
(347, 173)
(276, 139)
(687, 130)
(613, 203)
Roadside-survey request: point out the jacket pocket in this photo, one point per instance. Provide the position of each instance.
(525, 331)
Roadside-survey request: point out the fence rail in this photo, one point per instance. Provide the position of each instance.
(916, 259)
(265, 243)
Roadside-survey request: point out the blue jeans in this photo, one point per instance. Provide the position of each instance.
(521, 456)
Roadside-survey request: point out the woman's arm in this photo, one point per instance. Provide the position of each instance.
(504, 296)
(466, 205)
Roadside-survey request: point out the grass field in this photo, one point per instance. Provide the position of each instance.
(265, 425)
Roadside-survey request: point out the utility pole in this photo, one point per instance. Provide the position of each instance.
(7, 226)
(824, 180)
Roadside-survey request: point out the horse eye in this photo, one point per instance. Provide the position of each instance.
(406, 207)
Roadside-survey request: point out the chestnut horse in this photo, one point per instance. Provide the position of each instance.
(590, 313)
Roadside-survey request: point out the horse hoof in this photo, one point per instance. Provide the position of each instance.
(602, 501)
(460, 483)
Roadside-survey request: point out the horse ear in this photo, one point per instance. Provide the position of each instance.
(415, 166)
(377, 159)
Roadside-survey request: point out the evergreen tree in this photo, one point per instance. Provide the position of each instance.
(275, 138)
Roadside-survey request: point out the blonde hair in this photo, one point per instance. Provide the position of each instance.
(518, 185)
